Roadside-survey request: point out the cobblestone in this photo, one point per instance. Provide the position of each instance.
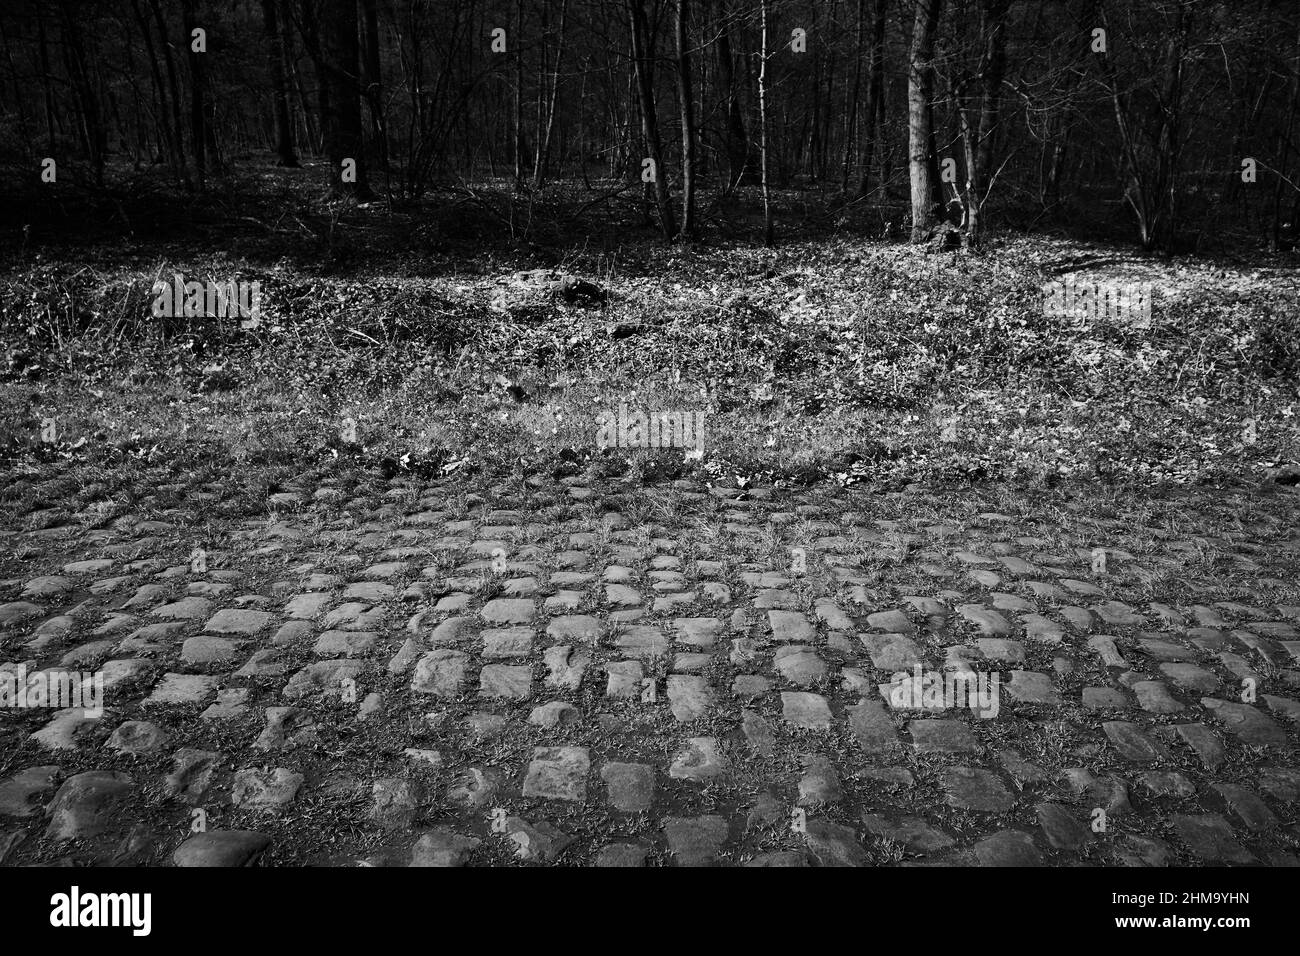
(676, 678)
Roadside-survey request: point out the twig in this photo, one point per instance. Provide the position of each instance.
(364, 336)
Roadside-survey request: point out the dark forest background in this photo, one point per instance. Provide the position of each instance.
(1125, 118)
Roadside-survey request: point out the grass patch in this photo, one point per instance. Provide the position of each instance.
(833, 360)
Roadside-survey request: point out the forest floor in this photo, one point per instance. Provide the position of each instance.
(387, 509)
(829, 358)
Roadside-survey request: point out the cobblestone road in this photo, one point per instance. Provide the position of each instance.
(412, 673)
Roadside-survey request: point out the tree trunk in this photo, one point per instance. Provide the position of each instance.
(920, 127)
(814, 129)
(47, 78)
(685, 96)
(343, 140)
(995, 65)
(737, 142)
(977, 134)
(1284, 148)
(521, 149)
(173, 85)
(649, 119)
(544, 136)
(167, 145)
(970, 196)
(198, 138)
(855, 91)
(374, 86)
(1151, 187)
(284, 147)
(769, 233)
(539, 90)
(297, 88)
(875, 94)
(92, 125)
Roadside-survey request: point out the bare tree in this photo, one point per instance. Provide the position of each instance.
(284, 146)
(552, 82)
(521, 146)
(170, 136)
(340, 58)
(1285, 144)
(977, 111)
(373, 87)
(644, 69)
(768, 228)
(920, 129)
(198, 133)
(685, 97)
(736, 141)
(1040, 117)
(994, 15)
(47, 75)
(1151, 138)
(90, 125)
(875, 94)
